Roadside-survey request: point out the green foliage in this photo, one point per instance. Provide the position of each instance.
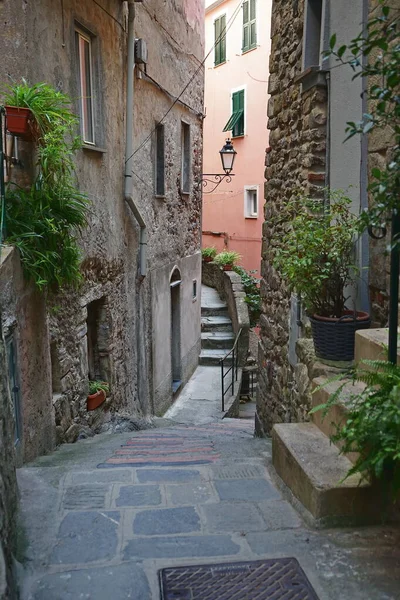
(227, 258)
(253, 297)
(375, 54)
(96, 386)
(372, 426)
(316, 251)
(208, 252)
(43, 221)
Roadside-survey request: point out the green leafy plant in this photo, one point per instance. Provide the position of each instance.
(44, 220)
(316, 251)
(375, 55)
(209, 252)
(372, 424)
(252, 290)
(227, 258)
(96, 386)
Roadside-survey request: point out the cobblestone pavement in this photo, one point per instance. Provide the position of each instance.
(102, 516)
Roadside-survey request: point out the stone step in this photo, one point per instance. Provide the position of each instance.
(217, 339)
(337, 413)
(313, 470)
(212, 357)
(216, 323)
(372, 344)
(215, 310)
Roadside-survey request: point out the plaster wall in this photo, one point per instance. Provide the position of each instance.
(39, 44)
(224, 210)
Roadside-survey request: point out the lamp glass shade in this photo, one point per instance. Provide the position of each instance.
(228, 154)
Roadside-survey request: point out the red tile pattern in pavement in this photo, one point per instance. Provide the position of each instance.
(175, 446)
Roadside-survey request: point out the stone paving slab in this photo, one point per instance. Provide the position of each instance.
(126, 581)
(86, 496)
(255, 490)
(166, 521)
(138, 495)
(232, 517)
(279, 514)
(86, 537)
(196, 546)
(167, 475)
(114, 476)
(238, 472)
(193, 493)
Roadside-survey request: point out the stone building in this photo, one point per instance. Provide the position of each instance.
(311, 102)
(135, 321)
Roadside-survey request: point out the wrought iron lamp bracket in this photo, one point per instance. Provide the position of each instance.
(215, 179)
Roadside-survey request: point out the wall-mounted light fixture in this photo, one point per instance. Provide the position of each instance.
(227, 154)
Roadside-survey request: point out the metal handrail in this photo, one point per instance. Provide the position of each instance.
(232, 369)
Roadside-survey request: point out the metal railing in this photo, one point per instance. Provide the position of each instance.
(232, 371)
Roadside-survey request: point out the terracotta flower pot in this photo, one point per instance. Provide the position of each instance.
(95, 400)
(207, 259)
(19, 122)
(227, 267)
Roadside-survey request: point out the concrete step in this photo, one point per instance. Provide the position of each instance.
(215, 310)
(337, 414)
(372, 344)
(312, 468)
(213, 356)
(216, 323)
(217, 339)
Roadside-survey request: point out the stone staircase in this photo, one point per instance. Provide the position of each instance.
(310, 464)
(217, 336)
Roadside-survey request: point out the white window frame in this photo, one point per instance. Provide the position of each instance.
(87, 38)
(233, 91)
(250, 214)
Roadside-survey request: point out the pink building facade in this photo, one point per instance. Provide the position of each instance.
(236, 80)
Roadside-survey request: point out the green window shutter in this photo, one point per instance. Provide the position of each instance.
(249, 25)
(220, 40)
(236, 121)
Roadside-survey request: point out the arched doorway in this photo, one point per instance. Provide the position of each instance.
(175, 287)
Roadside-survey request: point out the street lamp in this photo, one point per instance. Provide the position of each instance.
(227, 154)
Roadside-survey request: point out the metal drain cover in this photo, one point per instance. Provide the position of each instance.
(273, 579)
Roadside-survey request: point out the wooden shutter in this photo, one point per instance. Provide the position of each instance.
(246, 25)
(223, 39)
(217, 49)
(253, 24)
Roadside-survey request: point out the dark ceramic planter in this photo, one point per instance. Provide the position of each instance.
(334, 338)
(19, 122)
(95, 400)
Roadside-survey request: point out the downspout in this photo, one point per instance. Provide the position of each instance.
(129, 140)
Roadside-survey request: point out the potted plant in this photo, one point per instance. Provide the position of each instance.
(32, 111)
(97, 394)
(371, 427)
(315, 257)
(227, 259)
(208, 253)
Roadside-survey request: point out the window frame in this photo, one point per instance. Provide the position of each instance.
(250, 214)
(159, 142)
(247, 26)
(185, 164)
(313, 34)
(238, 115)
(222, 42)
(81, 34)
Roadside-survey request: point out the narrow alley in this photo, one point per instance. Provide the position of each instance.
(104, 515)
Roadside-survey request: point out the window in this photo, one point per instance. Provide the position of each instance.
(249, 25)
(185, 176)
(84, 44)
(160, 161)
(220, 40)
(312, 34)
(251, 202)
(236, 121)
(194, 292)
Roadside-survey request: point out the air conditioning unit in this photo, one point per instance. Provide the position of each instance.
(140, 52)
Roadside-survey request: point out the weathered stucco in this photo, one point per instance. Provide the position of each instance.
(39, 44)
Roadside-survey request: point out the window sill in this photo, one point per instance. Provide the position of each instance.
(220, 64)
(250, 49)
(311, 77)
(251, 216)
(93, 148)
(185, 193)
(235, 137)
(159, 196)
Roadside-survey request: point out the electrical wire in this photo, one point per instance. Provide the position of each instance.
(109, 14)
(223, 33)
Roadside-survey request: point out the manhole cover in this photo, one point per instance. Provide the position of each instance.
(274, 579)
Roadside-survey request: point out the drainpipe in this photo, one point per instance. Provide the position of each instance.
(129, 140)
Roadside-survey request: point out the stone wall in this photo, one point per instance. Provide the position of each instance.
(114, 306)
(8, 485)
(295, 161)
